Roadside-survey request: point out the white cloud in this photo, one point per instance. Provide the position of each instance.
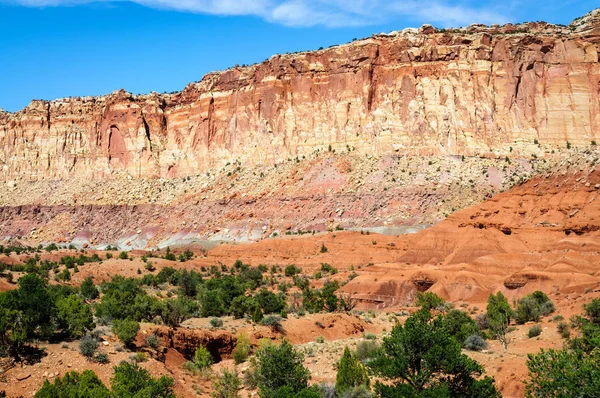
(217, 7)
(331, 13)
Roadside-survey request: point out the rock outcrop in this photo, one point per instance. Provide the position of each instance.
(477, 91)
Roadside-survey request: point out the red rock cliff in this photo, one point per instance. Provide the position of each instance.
(474, 91)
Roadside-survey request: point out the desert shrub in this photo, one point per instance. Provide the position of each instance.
(459, 325)
(258, 315)
(243, 305)
(241, 352)
(547, 308)
(534, 331)
(251, 375)
(532, 307)
(292, 270)
(131, 380)
(351, 373)
(370, 336)
(428, 300)
(64, 275)
(270, 302)
(123, 255)
(273, 321)
(320, 339)
(51, 247)
(152, 341)
(88, 290)
(126, 330)
(420, 358)
(475, 343)
(173, 312)
(366, 350)
(30, 312)
(202, 358)
(88, 346)
(124, 298)
(592, 311)
(74, 316)
(149, 266)
(216, 322)
(328, 268)
(301, 283)
(226, 385)
(564, 330)
(251, 277)
(361, 391)
(573, 369)
(185, 256)
(499, 314)
(138, 357)
(482, 321)
(73, 384)
(327, 390)
(280, 367)
(169, 256)
(563, 373)
(316, 300)
(212, 304)
(101, 357)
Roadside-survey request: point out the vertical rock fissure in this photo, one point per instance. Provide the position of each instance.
(372, 82)
(211, 121)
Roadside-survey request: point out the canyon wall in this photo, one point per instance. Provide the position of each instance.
(478, 91)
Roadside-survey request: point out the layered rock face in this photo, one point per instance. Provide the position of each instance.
(479, 91)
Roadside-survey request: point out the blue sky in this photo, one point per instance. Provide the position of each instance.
(57, 48)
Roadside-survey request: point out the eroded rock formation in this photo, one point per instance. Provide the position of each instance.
(476, 91)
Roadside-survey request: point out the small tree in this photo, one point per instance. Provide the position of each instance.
(74, 315)
(241, 352)
(460, 325)
(73, 384)
(202, 358)
(292, 270)
(169, 256)
(347, 302)
(88, 290)
(351, 373)
(420, 358)
(428, 300)
(173, 312)
(126, 330)
(280, 367)
(499, 314)
(131, 380)
(26, 313)
(563, 374)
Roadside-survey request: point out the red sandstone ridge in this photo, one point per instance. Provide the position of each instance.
(473, 91)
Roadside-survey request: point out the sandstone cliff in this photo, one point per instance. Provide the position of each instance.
(478, 91)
